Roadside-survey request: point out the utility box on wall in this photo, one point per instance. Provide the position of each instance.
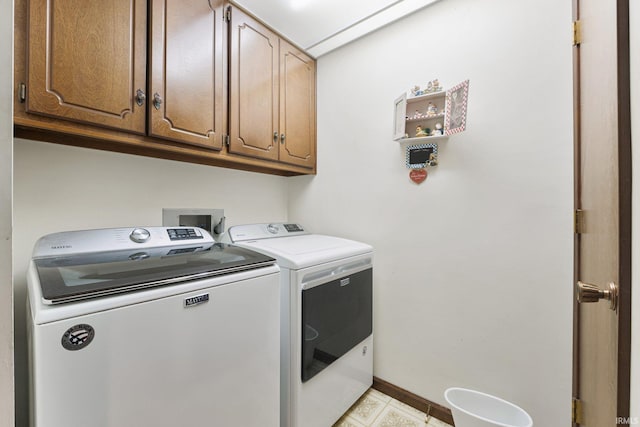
(211, 220)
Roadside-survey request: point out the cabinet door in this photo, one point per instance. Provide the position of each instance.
(297, 107)
(400, 117)
(86, 61)
(455, 119)
(253, 82)
(186, 98)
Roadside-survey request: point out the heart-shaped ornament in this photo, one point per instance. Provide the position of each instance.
(418, 175)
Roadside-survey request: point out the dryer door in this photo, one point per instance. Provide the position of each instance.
(336, 316)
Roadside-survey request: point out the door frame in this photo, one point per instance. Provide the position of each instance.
(7, 391)
(624, 205)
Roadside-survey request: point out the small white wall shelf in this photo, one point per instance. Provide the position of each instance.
(431, 116)
(426, 138)
(424, 119)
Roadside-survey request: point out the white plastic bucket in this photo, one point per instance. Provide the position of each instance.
(475, 409)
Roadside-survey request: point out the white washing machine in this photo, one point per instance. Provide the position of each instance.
(152, 327)
(327, 311)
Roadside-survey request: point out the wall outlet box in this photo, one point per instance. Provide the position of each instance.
(211, 220)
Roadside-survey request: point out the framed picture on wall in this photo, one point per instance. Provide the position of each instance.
(455, 120)
(421, 155)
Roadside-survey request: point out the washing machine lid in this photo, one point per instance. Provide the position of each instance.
(165, 257)
(308, 250)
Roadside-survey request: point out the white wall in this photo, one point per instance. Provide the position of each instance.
(6, 161)
(61, 188)
(473, 269)
(634, 36)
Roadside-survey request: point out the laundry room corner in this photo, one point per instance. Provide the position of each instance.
(464, 262)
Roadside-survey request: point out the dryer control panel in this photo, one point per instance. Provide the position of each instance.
(243, 233)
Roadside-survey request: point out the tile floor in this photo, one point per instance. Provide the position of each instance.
(375, 409)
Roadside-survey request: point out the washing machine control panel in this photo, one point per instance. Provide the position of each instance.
(118, 239)
(184, 233)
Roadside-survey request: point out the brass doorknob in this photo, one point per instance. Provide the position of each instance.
(591, 293)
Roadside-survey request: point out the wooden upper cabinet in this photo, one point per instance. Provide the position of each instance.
(297, 107)
(253, 87)
(272, 96)
(179, 79)
(87, 60)
(187, 99)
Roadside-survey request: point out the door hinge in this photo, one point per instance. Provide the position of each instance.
(577, 33)
(22, 93)
(227, 14)
(226, 140)
(578, 221)
(576, 411)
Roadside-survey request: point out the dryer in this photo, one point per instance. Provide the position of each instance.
(326, 319)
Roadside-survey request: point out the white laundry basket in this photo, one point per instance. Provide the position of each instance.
(475, 409)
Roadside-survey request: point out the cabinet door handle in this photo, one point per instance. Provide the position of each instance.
(282, 138)
(157, 100)
(140, 97)
(275, 137)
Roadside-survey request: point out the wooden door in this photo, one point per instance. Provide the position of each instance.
(87, 60)
(297, 107)
(253, 82)
(603, 193)
(187, 99)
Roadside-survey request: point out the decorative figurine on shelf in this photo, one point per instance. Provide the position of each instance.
(429, 88)
(420, 132)
(433, 86)
(432, 110)
(438, 130)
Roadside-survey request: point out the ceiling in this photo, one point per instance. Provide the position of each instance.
(319, 26)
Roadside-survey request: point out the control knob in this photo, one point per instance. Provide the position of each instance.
(272, 228)
(140, 235)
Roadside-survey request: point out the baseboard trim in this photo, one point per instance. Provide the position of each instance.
(420, 403)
